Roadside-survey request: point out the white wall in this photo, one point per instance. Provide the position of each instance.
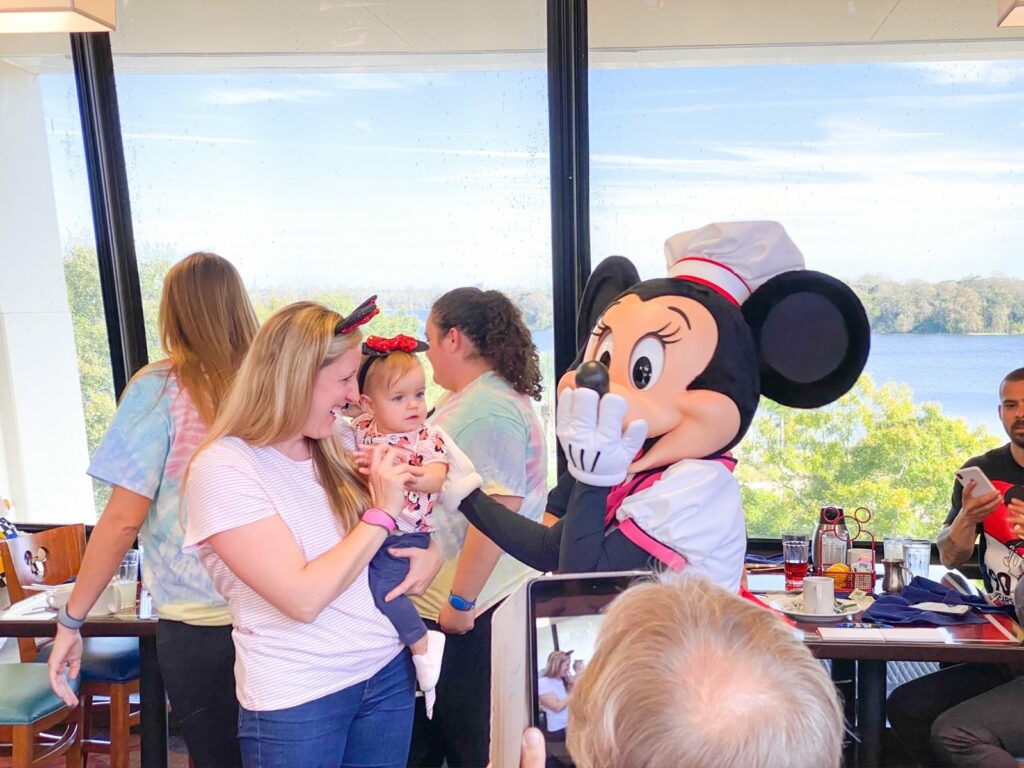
(43, 453)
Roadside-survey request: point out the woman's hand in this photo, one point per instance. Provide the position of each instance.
(534, 752)
(455, 622)
(66, 653)
(423, 567)
(389, 473)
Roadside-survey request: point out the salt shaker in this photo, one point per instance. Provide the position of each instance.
(145, 604)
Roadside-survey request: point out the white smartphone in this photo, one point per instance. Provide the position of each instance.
(983, 484)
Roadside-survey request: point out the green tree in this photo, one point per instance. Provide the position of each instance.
(96, 380)
(874, 448)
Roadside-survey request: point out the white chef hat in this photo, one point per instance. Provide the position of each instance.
(734, 258)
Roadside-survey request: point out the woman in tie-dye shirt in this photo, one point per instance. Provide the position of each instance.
(482, 353)
(206, 327)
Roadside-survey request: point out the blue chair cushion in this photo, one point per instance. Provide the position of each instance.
(25, 694)
(105, 659)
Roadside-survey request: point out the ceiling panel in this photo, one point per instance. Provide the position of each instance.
(438, 34)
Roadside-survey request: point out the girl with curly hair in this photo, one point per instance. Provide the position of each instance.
(482, 353)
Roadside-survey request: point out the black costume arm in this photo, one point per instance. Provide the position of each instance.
(584, 547)
(558, 497)
(528, 542)
(575, 544)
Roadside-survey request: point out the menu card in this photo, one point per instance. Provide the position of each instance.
(875, 635)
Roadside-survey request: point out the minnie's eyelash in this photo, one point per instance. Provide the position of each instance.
(666, 338)
(660, 334)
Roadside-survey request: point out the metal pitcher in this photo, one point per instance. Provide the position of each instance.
(893, 580)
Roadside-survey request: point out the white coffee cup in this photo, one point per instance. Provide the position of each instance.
(108, 602)
(57, 597)
(819, 595)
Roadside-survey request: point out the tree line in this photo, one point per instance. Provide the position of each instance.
(969, 305)
(875, 447)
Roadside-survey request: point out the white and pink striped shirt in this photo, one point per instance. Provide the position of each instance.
(281, 662)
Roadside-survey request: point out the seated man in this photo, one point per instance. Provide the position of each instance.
(688, 674)
(969, 714)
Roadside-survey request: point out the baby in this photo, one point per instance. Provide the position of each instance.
(392, 387)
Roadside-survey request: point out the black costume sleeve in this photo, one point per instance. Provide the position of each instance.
(585, 547)
(528, 542)
(575, 544)
(558, 497)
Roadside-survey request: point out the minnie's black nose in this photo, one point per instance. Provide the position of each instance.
(593, 375)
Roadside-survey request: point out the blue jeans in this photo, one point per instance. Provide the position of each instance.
(367, 724)
(385, 573)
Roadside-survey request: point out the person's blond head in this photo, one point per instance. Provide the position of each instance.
(206, 325)
(555, 661)
(271, 399)
(686, 674)
(382, 373)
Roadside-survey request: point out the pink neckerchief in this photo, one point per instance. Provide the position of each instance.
(639, 482)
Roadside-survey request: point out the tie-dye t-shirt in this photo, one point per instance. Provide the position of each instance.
(498, 430)
(146, 450)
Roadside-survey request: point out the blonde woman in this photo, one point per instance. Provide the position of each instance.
(206, 325)
(283, 521)
(554, 694)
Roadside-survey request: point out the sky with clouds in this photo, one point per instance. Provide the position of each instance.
(441, 179)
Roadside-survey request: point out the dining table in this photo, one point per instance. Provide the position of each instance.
(30, 618)
(998, 640)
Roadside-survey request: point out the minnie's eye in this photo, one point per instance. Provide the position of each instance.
(647, 362)
(603, 353)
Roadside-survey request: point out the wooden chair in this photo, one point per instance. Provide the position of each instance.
(110, 665)
(28, 710)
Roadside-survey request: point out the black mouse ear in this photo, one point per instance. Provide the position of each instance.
(812, 336)
(609, 279)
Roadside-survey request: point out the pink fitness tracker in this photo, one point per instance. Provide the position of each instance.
(376, 516)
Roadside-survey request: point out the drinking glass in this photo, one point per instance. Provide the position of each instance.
(833, 550)
(794, 558)
(917, 556)
(892, 547)
(127, 577)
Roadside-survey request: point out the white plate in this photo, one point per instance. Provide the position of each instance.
(31, 607)
(793, 606)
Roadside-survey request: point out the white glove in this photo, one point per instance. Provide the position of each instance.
(462, 478)
(591, 434)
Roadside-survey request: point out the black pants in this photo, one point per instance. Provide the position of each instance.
(198, 667)
(963, 715)
(461, 729)
(557, 754)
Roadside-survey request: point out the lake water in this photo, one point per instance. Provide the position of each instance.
(960, 372)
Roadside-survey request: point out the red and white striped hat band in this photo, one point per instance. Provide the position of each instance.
(714, 275)
(734, 258)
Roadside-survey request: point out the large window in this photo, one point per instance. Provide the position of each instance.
(413, 162)
(894, 167)
(56, 389)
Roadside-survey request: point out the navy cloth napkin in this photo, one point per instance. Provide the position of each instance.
(896, 609)
(763, 559)
(921, 590)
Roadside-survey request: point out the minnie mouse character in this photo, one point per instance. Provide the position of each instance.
(668, 382)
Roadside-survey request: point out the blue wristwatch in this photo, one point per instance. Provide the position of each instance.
(460, 603)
